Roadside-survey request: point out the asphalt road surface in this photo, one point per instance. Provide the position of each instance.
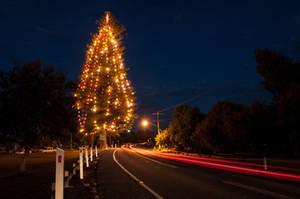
(125, 173)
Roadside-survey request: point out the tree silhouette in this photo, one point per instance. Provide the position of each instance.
(282, 78)
(35, 103)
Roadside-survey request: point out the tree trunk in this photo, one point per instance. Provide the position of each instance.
(105, 141)
(109, 141)
(71, 141)
(22, 168)
(92, 140)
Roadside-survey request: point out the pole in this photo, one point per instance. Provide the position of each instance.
(158, 132)
(157, 122)
(71, 145)
(86, 157)
(92, 154)
(92, 139)
(157, 119)
(59, 177)
(96, 151)
(81, 163)
(265, 163)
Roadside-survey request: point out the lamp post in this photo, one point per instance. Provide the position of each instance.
(146, 123)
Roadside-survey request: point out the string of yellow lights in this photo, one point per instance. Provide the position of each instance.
(105, 97)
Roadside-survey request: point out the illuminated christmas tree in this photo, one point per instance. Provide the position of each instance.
(105, 97)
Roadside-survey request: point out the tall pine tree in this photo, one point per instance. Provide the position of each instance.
(105, 97)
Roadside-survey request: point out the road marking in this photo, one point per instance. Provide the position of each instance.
(136, 179)
(156, 161)
(266, 192)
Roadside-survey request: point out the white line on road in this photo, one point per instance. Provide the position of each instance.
(136, 179)
(266, 192)
(156, 161)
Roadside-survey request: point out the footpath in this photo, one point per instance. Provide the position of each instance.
(100, 181)
(86, 188)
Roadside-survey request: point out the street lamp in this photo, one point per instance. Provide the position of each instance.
(145, 123)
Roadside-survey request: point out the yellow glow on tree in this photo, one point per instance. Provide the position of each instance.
(105, 97)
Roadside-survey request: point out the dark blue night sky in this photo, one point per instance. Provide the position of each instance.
(175, 49)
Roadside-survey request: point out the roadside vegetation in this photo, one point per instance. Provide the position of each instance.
(36, 109)
(261, 128)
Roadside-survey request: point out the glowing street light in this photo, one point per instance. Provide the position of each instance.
(145, 123)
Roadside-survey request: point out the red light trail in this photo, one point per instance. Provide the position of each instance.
(200, 162)
(230, 162)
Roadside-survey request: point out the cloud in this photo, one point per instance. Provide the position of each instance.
(153, 94)
(244, 94)
(30, 43)
(187, 91)
(296, 17)
(163, 66)
(295, 43)
(184, 92)
(46, 31)
(294, 47)
(147, 106)
(148, 87)
(178, 17)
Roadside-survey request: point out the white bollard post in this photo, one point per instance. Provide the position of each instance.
(81, 163)
(59, 178)
(265, 164)
(92, 154)
(96, 151)
(86, 157)
(106, 147)
(115, 145)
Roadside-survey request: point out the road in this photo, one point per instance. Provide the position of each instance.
(127, 173)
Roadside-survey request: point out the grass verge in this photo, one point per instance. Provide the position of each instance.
(36, 183)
